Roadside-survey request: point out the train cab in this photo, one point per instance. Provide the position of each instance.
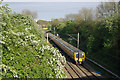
(79, 57)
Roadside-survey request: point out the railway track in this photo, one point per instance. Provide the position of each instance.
(73, 71)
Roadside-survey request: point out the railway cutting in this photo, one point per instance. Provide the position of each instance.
(73, 70)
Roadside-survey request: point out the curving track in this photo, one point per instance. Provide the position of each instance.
(81, 72)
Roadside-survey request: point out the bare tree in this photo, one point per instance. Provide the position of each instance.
(34, 15)
(75, 17)
(71, 17)
(86, 14)
(30, 13)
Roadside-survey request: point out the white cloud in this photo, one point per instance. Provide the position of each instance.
(60, 0)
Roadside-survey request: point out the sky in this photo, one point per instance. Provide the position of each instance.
(52, 9)
(59, 0)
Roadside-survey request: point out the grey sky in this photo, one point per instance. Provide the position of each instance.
(50, 10)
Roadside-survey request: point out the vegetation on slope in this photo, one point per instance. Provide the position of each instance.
(25, 52)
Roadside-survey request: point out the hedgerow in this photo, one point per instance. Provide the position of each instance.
(25, 53)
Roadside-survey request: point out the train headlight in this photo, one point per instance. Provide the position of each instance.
(76, 52)
(83, 54)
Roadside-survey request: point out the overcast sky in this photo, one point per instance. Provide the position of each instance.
(59, 0)
(52, 8)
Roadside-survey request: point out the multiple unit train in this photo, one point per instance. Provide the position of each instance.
(77, 55)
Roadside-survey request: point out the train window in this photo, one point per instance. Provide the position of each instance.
(76, 55)
(82, 55)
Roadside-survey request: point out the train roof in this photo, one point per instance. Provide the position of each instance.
(67, 45)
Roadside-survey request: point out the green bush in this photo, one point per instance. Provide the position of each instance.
(25, 52)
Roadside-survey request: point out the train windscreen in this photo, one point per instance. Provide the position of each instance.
(80, 56)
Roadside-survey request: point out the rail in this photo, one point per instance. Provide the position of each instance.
(91, 61)
(77, 71)
(103, 68)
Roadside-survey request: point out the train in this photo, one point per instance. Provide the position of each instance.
(77, 55)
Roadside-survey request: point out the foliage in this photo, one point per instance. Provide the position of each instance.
(25, 51)
(44, 24)
(106, 9)
(99, 38)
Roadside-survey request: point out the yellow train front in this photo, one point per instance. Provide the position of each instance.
(77, 55)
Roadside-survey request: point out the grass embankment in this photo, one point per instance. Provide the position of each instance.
(25, 52)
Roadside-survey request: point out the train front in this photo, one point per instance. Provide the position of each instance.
(79, 57)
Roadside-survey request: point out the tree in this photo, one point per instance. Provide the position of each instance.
(54, 23)
(86, 14)
(42, 22)
(30, 13)
(107, 9)
(119, 8)
(71, 17)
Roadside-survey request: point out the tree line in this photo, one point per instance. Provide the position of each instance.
(99, 32)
